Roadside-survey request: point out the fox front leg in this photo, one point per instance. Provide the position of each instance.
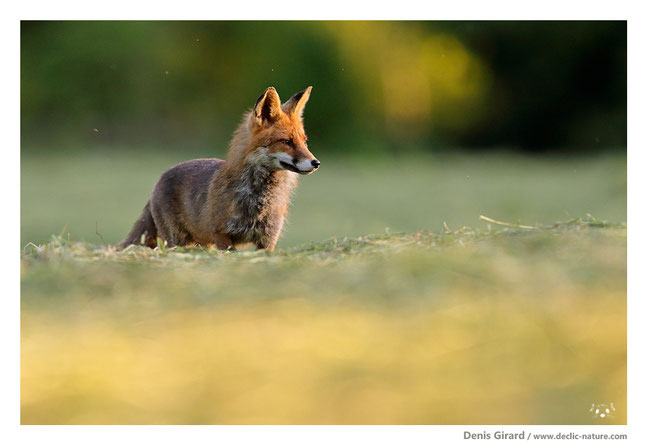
(269, 241)
(223, 242)
(267, 245)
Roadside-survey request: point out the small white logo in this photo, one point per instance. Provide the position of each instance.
(602, 410)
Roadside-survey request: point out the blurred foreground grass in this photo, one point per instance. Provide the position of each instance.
(491, 326)
(105, 191)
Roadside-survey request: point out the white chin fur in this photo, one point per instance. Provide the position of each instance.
(304, 166)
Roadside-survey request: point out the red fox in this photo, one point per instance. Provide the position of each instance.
(238, 201)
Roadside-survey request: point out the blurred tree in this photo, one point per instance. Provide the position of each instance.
(377, 85)
(557, 85)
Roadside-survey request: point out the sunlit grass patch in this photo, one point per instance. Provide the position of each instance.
(500, 325)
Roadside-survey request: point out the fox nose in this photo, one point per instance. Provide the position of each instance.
(315, 163)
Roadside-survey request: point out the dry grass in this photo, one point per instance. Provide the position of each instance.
(501, 326)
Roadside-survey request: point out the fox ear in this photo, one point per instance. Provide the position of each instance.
(267, 107)
(295, 105)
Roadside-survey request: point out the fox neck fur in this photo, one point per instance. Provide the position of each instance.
(260, 194)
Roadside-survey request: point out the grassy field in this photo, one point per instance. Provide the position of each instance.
(472, 326)
(427, 321)
(106, 190)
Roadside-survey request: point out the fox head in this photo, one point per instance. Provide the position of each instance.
(277, 133)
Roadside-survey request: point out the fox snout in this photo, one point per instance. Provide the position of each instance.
(302, 166)
(306, 166)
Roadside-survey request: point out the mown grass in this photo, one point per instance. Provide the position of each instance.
(499, 325)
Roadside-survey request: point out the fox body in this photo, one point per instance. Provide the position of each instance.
(238, 201)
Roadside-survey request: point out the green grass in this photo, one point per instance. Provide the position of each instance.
(488, 325)
(104, 191)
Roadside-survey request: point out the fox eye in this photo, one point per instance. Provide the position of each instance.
(287, 142)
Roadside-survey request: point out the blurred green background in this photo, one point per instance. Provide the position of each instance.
(416, 123)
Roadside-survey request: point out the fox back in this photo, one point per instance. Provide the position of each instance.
(241, 200)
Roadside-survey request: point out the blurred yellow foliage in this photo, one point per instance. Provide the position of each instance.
(419, 78)
(474, 359)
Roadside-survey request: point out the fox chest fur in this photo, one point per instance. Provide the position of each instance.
(260, 200)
